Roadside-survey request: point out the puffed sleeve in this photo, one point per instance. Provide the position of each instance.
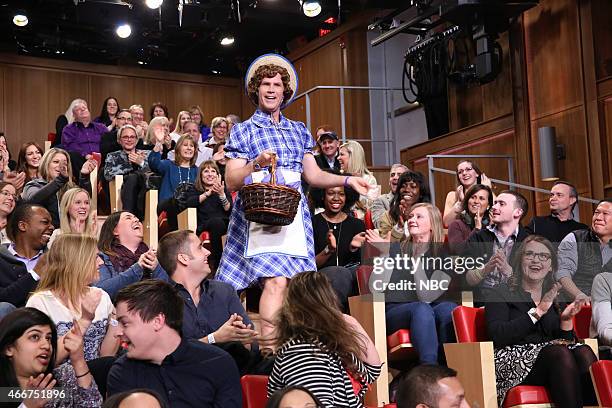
(237, 146)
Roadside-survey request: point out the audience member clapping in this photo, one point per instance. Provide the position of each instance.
(133, 165)
(28, 347)
(468, 174)
(125, 258)
(76, 215)
(319, 347)
(338, 239)
(423, 309)
(533, 337)
(8, 198)
(180, 173)
(7, 164)
(477, 202)
(55, 178)
(64, 294)
(214, 205)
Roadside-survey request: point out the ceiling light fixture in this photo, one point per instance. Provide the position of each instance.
(311, 8)
(124, 30)
(153, 4)
(227, 40)
(20, 19)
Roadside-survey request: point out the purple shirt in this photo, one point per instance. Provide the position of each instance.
(81, 139)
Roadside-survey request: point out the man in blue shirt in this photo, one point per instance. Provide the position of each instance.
(212, 310)
(185, 373)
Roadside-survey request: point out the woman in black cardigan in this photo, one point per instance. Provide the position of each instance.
(533, 338)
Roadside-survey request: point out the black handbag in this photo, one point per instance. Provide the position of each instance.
(181, 193)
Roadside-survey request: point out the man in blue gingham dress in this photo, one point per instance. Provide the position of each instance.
(291, 141)
(271, 257)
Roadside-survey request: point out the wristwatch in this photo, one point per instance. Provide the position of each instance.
(211, 339)
(326, 250)
(534, 312)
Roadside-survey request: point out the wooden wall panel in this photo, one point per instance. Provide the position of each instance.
(606, 143)
(552, 47)
(602, 33)
(45, 88)
(571, 132)
(479, 103)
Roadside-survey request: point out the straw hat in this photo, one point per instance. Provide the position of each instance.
(274, 59)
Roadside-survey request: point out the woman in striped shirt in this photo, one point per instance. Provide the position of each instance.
(320, 348)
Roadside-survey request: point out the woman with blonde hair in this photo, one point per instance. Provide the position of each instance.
(55, 179)
(422, 308)
(319, 347)
(181, 119)
(219, 127)
(352, 160)
(178, 174)
(159, 131)
(64, 294)
(76, 215)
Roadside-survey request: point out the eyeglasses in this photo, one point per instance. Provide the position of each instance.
(8, 194)
(128, 137)
(540, 256)
(123, 118)
(466, 170)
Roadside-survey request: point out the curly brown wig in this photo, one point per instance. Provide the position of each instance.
(268, 71)
(311, 312)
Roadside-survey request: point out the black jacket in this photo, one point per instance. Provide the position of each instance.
(509, 323)
(481, 243)
(16, 283)
(323, 165)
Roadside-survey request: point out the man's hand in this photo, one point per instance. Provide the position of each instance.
(234, 329)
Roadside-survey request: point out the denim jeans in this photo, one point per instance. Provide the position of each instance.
(430, 325)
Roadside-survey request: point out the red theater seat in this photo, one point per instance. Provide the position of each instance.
(369, 224)
(601, 373)
(582, 322)
(470, 327)
(254, 391)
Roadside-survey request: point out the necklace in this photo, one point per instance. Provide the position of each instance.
(335, 227)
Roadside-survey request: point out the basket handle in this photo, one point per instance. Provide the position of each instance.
(273, 169)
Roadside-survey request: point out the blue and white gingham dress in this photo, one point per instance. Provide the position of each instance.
(291, 141)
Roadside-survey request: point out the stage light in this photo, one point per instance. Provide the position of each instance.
(124, 30)
(227, 40)
(20, 19)
(153, 4)
(311, 8)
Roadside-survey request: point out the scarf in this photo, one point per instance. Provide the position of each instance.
(123, 258)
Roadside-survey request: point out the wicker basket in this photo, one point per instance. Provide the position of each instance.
(268, 203)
